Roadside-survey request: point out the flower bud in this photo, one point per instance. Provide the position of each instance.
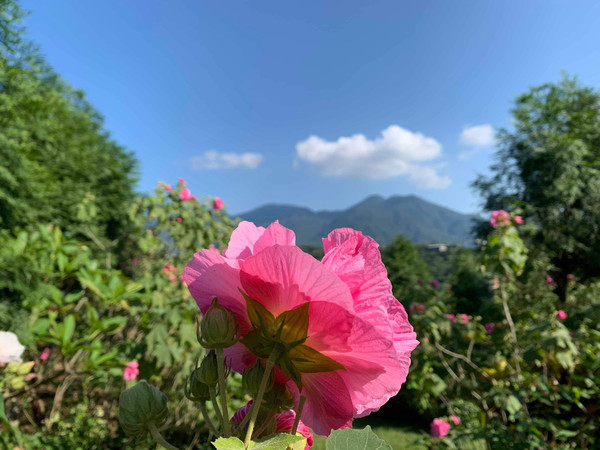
(139, 406)
(208, 372)
(196, 390)
(219, 327)
(252, 378)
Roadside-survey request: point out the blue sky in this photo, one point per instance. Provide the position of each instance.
(318, 104)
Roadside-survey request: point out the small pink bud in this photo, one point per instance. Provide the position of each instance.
(168, 187)
(182, 181)
(439, 428)
(561, 315)
(131, 371)
(217, 203)
(455, 419)
(179, 219)
(570, 277)
(434, 284)
(172, 278)
(549, 280)
(451, 318)
(193, 198)
(518, 220)
(185, 195)
(489, 327)
(464, 318)
(45, 354)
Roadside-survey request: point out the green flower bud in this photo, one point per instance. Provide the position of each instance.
(208, 373)
(252, 378)
(196, 390)
(139, 406)
(219, 327)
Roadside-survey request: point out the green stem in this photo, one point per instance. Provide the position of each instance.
(158, 437)
(213, 397)
(298, 414)
(223, 392)
(264, 426)
(256, 404)
(207, 420)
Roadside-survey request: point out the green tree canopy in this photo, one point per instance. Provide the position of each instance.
(57, 163)
(548, 166)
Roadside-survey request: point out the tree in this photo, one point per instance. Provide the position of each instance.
(548, 166)
(57, 163)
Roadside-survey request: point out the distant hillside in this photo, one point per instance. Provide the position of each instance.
(382, 219)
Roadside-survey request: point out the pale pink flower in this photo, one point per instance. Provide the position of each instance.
(518, 220)
(179, 219)
(168, 187)
(489, 327)
(425, 340)
(549, 280)
(500, 217)
(561, 315)
(464, 318)
(131, 371)
(45, 354)
(451, 318)
(439, 428)
(434, 284)
(217, 203)
(30, 376)
(172, 278)
(455, 419)
(354, 318)
(285, 422)
(185, 195)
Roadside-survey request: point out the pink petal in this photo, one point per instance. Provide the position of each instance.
(274, 234)
(284, 277)
(242, 240)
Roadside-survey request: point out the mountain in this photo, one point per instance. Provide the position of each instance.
(382, 219)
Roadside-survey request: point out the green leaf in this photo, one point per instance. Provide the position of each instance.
(68, 330)
(350, 439)
(279, 441)
(231, 443)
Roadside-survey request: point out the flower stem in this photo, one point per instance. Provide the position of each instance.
(256, 404)
(223, 392)
(213, 397)
(298, 414)
(158, 437)
(211, 425)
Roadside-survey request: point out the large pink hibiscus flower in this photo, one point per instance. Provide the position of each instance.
(354, 352)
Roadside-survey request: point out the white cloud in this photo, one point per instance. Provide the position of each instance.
(478, 136)
(212, 159)
(392, 154)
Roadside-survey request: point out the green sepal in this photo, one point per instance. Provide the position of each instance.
(291, 327)
(256, 342)
(259, 316)
(308, 360)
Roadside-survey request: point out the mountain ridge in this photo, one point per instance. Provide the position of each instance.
(381, 218)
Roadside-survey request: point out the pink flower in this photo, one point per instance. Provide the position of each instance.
(169, 268)
(417, 307)
(285, 422)
(455, 419)
(172, 278)
(353, 318)
(451, 318)
(434, 284)
(570, 277)
(489, 327)
(168, 187)
(419, 282)
(464, 318)
(518, 220)
(561, 315)
(185, 195)
(179, 219)
(45, 354)
(130, 372)
(439, 428)
(135, 261)
(549, 280)
(182, 182)
(217, 203)
(500, 217)
(193, 198)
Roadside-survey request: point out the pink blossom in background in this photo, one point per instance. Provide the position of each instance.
(489, 327)
(417, 307)
(464, 318)
(217, 203)
(354, 318)
(549, 280)
(455, 419)
(285, 422)
(135, 261)
(172, 278)
(419, 282)
(518, 220)
(169, 268)
(185, 195)
(193, 198)
(45, 354)
(499, 217)
(561, 315)
(570, 277)
(439, 428)
(179, 219)
(451, 318)
(425, 340)
(434, 284)
(182, 181)
(130, 372)
(168, 188)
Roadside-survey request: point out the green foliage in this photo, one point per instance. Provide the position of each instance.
(549, 167)
(353, 439)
